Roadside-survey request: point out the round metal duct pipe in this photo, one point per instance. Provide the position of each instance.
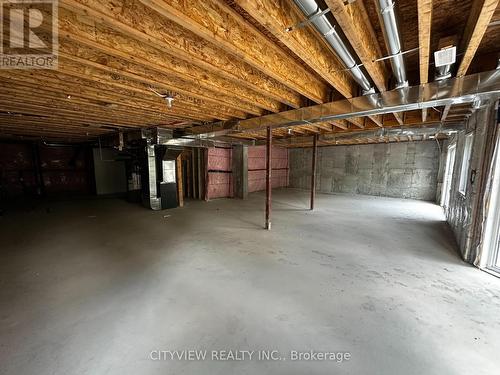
(391, 34)
(323, 25)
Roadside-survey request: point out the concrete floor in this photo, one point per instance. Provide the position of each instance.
(94, 286)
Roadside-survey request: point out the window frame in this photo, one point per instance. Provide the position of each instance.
(464, 168)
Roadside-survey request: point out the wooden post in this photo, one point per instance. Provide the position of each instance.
(205, 173)
(268, 176)
(189, 182)
(180, 185)
(313, 172)
(194, 164)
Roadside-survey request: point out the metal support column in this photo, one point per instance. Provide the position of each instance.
(313, 172)
(268, 176)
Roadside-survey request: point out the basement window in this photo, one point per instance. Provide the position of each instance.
(464, 171)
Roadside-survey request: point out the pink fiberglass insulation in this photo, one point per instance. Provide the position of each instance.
(257, 168)
(219, 159)
(220, 183)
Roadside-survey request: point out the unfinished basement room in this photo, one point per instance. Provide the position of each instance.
(250, 187)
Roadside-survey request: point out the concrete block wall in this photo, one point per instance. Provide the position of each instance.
(402, 170)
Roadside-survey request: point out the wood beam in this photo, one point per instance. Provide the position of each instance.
(123, 82)
(276, 16)
(353, 18)
(142, 23)
(413, 118)
(26, 84)
(480, 16)
(221, 25)
(355, 23)
(80, 113)
(68, 85)
(46, 133)
(424, 39)
(118, 67)
(60, 100)
(27, 125)
(108, 41)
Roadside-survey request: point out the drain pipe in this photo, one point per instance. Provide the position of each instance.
(317, 17)
(387, 16)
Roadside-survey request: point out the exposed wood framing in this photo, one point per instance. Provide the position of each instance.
(137, 21)
(355, 24)
(480, 16)
(221, 25)
(123, 52)
(477, 23)
(180, 186)
(226, 61)
(277, 15)
(424, 38)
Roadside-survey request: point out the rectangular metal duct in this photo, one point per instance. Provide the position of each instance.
(467, 89)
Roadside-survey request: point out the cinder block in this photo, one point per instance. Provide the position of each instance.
(398, 179)
(326, 184)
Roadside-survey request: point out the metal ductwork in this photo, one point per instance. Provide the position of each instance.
(317, 17)
(151, 199)
(387, 16)
(445, 57)
(429, 131)
(443, 72)
(153, 137)
(403, 131)
(460, 90)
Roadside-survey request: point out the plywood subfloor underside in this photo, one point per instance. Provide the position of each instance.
(94, 286)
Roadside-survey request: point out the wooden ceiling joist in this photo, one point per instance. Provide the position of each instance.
(276, 16)
(355, 23)
(479, 19)
(82, 69)
(137, 21)
(221, 25)
(117, 45)
(26, 92)
(20, 90)
(46, 133)
(72, 113)
(226, 61)
(68, 85)
(68, 130)
(424, 38)
(477, 23)
(34, 121)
